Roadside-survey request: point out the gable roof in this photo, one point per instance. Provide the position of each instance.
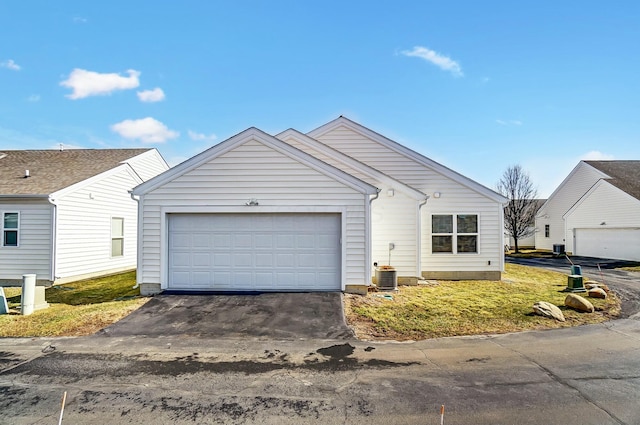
(266, 139)
(352, 163)
(53, 170)
(623, 174)
(409, 153)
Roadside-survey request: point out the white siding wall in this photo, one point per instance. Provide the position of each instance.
(84, 227)
(455, 199)
(394, 218)
(33, 255)
(570, 190)
(253, 170)
(605, 203)
(148, 165)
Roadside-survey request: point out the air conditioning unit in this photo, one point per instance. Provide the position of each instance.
(386, 278)
(558, 248)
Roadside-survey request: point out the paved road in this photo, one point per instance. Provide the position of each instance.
(588, 375)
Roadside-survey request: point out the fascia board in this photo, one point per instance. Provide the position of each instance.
(411, 154)
(354, 163)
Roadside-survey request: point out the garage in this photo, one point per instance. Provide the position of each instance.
(619, 244)
(254, 252)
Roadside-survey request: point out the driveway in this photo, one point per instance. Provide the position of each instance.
(263, 316)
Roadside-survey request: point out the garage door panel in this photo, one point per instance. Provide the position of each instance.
(620, 244)
(269, 252)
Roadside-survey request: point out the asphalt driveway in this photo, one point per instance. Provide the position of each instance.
(263, 316)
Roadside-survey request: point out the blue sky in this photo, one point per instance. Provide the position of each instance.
(474, 85)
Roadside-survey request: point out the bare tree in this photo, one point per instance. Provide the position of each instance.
(520, 212)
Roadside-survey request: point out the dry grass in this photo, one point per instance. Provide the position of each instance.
(76, 309)
(470, 307)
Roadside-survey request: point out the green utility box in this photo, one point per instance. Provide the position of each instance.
(574, 283)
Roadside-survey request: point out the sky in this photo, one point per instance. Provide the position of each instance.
(477, 86)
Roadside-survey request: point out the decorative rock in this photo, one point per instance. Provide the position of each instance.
(593, 284)
(545, 309)
(579, 303)
(597, 293)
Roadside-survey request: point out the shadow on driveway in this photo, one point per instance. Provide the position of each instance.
(317, 315)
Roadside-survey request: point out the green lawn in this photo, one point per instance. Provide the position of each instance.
(78, 308)
(470, 307)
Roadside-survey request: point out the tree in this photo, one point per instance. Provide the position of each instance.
(520, 212)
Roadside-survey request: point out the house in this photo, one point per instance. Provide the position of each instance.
(68, 214)
(595, 211)
(313, 212)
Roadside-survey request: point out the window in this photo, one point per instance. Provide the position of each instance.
(117, 237)
(459, 231)
(10, 228)
(546, 230)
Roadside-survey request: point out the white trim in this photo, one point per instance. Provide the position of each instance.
(177, 209)
(266, 139)
(454, 240)
(17, 229)
(409, 153)
(590, 191)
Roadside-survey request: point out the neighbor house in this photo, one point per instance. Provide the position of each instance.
(68, 214)
(313, 212)
(594, 212)
(529, 241)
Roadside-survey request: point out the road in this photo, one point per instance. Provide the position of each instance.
(588, 375)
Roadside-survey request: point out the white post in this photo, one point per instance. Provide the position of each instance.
(27, 300)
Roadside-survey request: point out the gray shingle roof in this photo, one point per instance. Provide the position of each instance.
(625, 175)
(53, 170)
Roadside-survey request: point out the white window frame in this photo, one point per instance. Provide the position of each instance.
(17, 230)
(454, 234)
(117, 237)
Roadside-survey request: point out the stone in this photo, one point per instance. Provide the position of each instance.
(579, 303)
(593, 284)
(597, 293)
(546, 309)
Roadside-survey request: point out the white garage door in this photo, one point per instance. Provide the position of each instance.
(254, 252)
(619, 244)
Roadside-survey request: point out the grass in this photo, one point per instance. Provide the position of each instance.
(75, 309)
(470, 307)
(631, 269)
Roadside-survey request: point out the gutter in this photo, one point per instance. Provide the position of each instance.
(372, 198)
(54, 233)
(421, 204)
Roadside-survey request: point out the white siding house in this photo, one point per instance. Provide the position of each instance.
(68, 215)
(604, 218)
(300, 212)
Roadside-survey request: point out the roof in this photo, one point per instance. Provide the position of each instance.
(53, 170)
(625, 175)
(256, 134)
(409, 153)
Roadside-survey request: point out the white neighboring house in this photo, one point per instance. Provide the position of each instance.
(527, 242)
(595, 211)
(68, 214)
(313, 212)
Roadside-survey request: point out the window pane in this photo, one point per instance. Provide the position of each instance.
(468, 223)
(10, 238)
(441, 244)
(117, 227)
(116, 247)
(441, 224)
(467, 244)
(10, 220)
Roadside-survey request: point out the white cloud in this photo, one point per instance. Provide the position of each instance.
(201, 136)
(88, 83)
(147, 130)
(10, 64)
(80, 20)
(34, 98)
(155, 95)
(443, 62)
(509, 122)
(596, 156)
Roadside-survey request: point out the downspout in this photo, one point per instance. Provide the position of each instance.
(139, 241)
(368, 238)
(54, 233)
(421, 204)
